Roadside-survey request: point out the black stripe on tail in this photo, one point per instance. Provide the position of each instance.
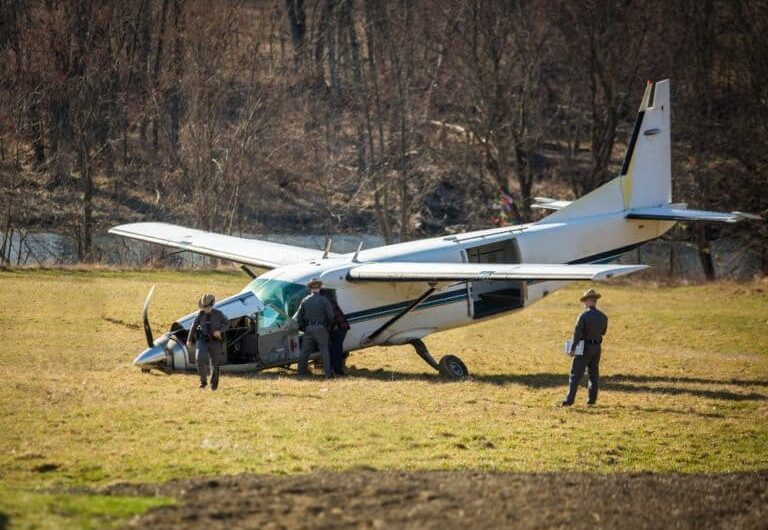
(632, 141)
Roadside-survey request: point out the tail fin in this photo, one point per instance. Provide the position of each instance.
(646, 175)
(645, 179)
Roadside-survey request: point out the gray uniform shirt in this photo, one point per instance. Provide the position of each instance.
(591, 325)
(316, 310)
(218, 322)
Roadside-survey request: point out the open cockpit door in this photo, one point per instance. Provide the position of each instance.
(488, 297)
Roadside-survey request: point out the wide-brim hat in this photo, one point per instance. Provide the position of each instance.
(207, 300)
(314, 282)
(590, 293)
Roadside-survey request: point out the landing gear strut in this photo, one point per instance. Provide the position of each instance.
(449, 366)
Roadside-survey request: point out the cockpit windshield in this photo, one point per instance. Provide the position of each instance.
(285, 296)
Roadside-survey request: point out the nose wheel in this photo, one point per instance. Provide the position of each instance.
(450, 366)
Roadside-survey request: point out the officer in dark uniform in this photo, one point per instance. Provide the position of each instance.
(339, 328)
(208, 332)
(590, 327)
(314, 317)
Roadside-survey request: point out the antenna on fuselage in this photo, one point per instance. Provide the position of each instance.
(327, 248)
(357, 252)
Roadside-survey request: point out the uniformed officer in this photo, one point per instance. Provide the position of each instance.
(339, 328)
(315, 316)
(207, 331)
(590, 327)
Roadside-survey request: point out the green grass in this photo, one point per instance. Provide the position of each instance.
(42, 511)
(685, 389)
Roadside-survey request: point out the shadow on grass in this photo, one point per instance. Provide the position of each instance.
(668, 385)
(3, 521)
(687, 380)
(617, 383)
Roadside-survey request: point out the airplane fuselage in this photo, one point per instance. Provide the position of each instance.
(369, 305)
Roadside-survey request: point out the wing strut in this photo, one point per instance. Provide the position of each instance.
(401, 314)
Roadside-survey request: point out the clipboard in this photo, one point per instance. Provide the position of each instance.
(579, 350)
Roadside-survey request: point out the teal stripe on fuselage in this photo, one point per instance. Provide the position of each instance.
(393, 309)
(461, 295)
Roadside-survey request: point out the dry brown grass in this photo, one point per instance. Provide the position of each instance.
(685, 389)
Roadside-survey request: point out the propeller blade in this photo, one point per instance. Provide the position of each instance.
(147, 328)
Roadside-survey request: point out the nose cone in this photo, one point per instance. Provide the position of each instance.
(154, 355)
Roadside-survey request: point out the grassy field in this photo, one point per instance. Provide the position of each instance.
(685, 389)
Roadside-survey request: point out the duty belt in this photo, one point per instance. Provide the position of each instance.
(315, 323)
(594, 341)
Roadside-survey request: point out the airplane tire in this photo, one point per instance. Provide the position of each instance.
(145, 370)
(452, 367)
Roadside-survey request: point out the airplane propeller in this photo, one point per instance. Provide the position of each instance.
(147, 328)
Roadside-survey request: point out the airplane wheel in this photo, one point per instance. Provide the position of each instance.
(453, 368)
(145, 370)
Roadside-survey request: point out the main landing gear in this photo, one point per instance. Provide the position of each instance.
(449, 366)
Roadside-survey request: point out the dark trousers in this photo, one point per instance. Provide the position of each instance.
(208, 354)
(337, 350)
(589, 361)
(315, 338)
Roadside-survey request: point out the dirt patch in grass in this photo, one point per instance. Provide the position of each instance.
(371, 499)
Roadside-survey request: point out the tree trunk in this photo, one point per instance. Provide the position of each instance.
(380, 186)
(347, 20)
(86, 250)
(175, 102)
(298, 24)
(156, 75)
(38, 147)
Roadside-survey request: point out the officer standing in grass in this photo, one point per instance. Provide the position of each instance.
(315, 316)
(207, 331)
(339, 328)
(590, 327)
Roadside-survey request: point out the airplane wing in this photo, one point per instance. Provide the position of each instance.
(437, 272)
(240, 250)
(664, 213)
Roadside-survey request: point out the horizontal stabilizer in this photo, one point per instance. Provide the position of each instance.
(662, 213)
(254, 252)
(437, 272)
(546, 203)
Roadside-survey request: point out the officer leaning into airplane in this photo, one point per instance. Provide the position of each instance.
(590, 327)
(314, 317)
(208, 331)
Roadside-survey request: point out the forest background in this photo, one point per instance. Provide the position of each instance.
(403, 118)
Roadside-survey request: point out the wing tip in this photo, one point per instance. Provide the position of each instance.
(619, 270)
(750, 216)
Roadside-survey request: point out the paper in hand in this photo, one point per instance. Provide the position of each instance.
(579, 350)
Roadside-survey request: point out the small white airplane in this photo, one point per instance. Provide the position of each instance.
(398, 294)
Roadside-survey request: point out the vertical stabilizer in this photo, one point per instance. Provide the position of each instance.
(645, 179)
(646, 174)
